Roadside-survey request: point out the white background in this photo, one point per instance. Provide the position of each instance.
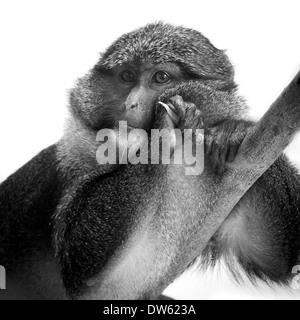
(46, 45)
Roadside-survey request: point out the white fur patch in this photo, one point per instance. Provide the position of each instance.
(234, 231)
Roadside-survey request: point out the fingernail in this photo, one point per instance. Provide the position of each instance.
(171, 112)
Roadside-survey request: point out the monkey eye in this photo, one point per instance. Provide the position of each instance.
(127, 76)
(161, 77)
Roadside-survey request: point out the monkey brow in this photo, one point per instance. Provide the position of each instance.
(103, 70)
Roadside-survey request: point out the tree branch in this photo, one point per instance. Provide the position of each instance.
(260, 149)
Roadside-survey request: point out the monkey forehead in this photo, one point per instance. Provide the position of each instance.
(163, 43)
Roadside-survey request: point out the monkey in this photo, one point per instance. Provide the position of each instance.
(73, 229)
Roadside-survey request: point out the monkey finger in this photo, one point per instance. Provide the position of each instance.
(207, 146)
(222, 161)
(198, 121)
(170, 112)
(179, 105)
(210, 135)
(191, 110)
(215, 154)
(219, 154)
(167, 106)
(169, 122)
(232, 152)
(208, 142)
(177, 100)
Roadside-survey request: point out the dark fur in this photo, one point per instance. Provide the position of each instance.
(28, 199)
(61, 202)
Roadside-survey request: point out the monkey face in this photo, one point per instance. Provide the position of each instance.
(132, 90)
(124, 93)
(135, 69)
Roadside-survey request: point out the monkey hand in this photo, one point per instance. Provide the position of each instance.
(181, 114)
(223, 141)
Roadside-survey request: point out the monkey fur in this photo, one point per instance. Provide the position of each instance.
(70, 228)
